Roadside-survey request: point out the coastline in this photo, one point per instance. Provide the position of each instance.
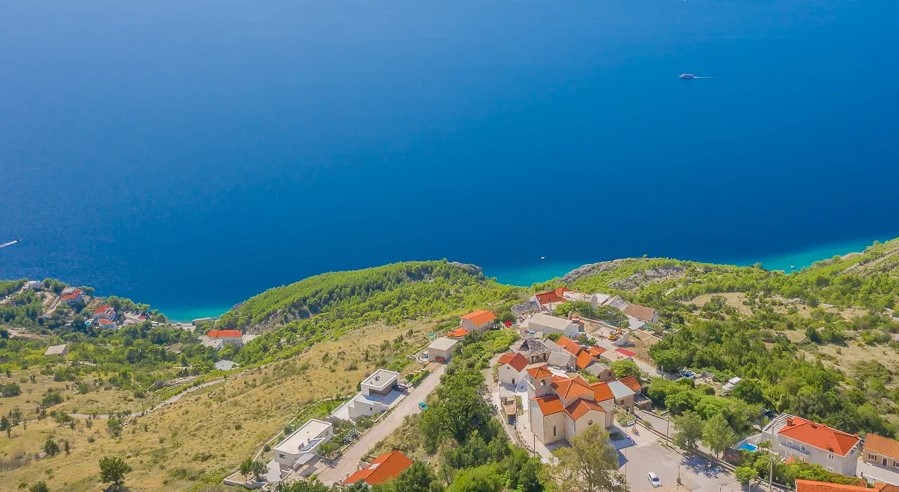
(542, 271)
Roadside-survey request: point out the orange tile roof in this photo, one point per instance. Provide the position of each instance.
(480, 317)
(632, 383)
(384, 468)
(819, 435)
(580, 407)
(602, 392)
(595, 351)
(224, 334)
(552, 296)
(569, 345)
(539, 372)
(458, 333)
(517, 361)
(882, 445)
(584, 359)
(812, 486)
(642, 313)
(72, 295)
(549, 404)
(103, 309)
(575, 387)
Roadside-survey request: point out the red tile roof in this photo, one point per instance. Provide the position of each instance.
(569, 345)
(882, 445)
(224, 334)
(384, 468)
(480, 317)
(458, 333)
(584, 359)
(552, 296)
(632, 383)
(575, 387)
(103, 310)
(626, 352)
(819, 435)
(517, 361)
(71, 295)
(549, 404)
(539, 372)
(812, 486)
(602, 392)
(595, 351)
(642, 313)
(579, 408)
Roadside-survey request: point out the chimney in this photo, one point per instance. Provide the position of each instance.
(789, 421)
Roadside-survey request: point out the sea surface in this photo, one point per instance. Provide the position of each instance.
(192, 154)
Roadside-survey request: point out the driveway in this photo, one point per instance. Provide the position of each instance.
(349, 461)
(872, 473)
(696, 475)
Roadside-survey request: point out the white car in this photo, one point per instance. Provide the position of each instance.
(654, 480)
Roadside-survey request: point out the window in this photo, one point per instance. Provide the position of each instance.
(281, 455)
(513, 380)
(554, 431)
(830, 456)
(802, 447)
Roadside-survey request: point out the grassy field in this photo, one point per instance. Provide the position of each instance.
(193, 443)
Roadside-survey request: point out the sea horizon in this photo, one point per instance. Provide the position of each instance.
(543, 271)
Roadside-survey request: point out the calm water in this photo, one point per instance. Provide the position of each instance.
(190, 154)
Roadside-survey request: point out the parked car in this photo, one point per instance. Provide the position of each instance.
(423, 406)
(654, 480)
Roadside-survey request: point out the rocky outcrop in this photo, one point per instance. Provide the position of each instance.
(649, 276)
(591, 269)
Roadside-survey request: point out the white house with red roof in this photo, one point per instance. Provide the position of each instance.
(104, 312)
(549, 300)
(71, 295)
(546, 324)
(560, 408)
(511, 368)
(809, 441)
(480, 321)
(234, 337)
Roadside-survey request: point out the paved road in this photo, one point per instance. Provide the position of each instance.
(350, 459)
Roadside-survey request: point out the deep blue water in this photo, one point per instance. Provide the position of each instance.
(190, 154)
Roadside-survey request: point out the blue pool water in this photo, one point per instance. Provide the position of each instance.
(747, 446)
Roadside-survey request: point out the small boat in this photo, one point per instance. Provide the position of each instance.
(687, 76)
(542, 257)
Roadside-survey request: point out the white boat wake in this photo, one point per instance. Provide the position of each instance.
(9, 243)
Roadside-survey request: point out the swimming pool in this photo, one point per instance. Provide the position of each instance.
(748, 446)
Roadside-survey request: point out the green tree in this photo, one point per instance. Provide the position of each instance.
(51, 447)
(589, 465)
(481, 479)
(5, 425)
(303, 486)
(416, 478)
(113, 470)
(688, 430)
(114, 426)
(745, 474)
(625, 368)
(39, 487)
(717, 434)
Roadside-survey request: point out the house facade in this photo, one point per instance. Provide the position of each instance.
(378, 392)
(533, 349)
(234, 337)
(441, 350)
(809, 441)
(881, 451)
(302, 445)
(511, 368)
(561, 408)
(71, 295)
(479, 321)
(546, 324)
(104, 312)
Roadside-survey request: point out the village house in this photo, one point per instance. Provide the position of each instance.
(595, 300)
(234, 337)
(548, 301)
(642, 313)
(457, 334)
(546, 324)
(511, 368)
(624, 396)
(562, 359)
(479, 321)
(384, 468)
(71, 295)
(105, 324)
(881, 451)
(533, 349)
(802, 439)
(34, 285)
(57, 350)
(600, 371)
(561, 408)
(104, 312)
(813, 486)
(302, 445)
(378, 393)
(441, 350)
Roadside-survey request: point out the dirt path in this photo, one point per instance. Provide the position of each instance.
(350, 459)
(142, 413)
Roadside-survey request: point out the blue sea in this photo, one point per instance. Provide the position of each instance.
(191, 154)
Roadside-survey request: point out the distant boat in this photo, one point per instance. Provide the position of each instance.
(687, 76)
(542, 257)
(14, 241)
